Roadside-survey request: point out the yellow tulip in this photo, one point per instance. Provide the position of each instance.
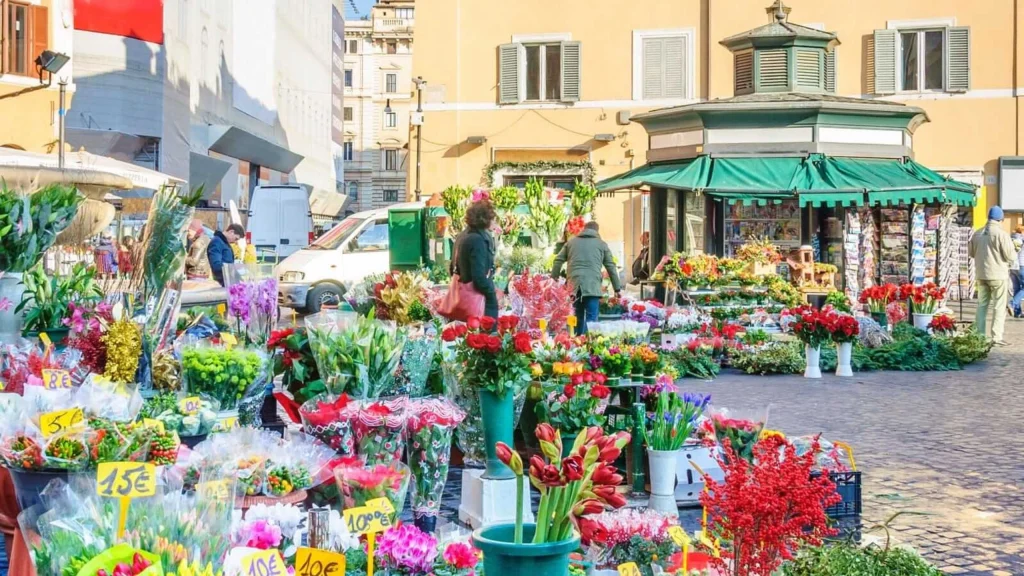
(556, 368)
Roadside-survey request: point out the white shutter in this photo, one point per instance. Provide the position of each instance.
(654, 63)
(663, 61)
(570, 71)
(675, 56)
(509, 64)
(958, 59)
(885, 61)
(830, 71)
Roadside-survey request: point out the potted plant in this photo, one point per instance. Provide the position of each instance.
(47, 300)
(761, 256)
(923, 300)
(572, 403)
(877, 299)
(497, 364)
(674, 421)
(583, 483)
(844, 329)
(647, 362)
(811, 328)
(628, 535)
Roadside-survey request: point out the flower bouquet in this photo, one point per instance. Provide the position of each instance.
(252, 302)
(759, 251)
(674, 420)
(646, 361)
(573, 402)
(811, 326)
(399, 298)
(329, 418)
(736, 435)
(360, 483)
(224, 376)
(378, 427)
(615, 362)
(67, 451)
(333, 348)
(378, 348)
(293, 359)
(628, 535)
(842, 328)
(538, 296)
(877, 298)
(417, 360)
(430, 426)
(22, 452)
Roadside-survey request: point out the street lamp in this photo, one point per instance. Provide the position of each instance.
(387, 107)
(51, 62)
(420, 83)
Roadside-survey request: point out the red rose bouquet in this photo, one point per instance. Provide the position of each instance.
(922, 299)
(811, 326)
(497, 361)
(573, 402)
(842, 327)
(877, 298)
(735, 435)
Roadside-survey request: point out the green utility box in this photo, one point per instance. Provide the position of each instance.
(407, 238)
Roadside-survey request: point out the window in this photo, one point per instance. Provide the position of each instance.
(391, 159)
(348, 78)
(391, 83)
(25, 34)
(390, 120)
(392, 47)
(391, 195)
(348, 113)
(346, 151)
(539, 71)
(404, 13)
(353, 191)
(921, 60)
(373, 238)
(558, 182)
(663, 64)
(353, 46)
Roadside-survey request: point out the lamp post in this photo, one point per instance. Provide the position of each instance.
(60, 127)
(420, 83)
(51, 62)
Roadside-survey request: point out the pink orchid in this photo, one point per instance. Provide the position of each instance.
(5, 304)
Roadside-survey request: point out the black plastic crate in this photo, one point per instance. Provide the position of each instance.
(849, 488)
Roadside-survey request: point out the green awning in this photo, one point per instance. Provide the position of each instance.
(682, 175)
(961, 198)
(831, 199)
(750, 198)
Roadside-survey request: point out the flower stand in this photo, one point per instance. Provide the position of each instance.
(813, 369)
(844, 353)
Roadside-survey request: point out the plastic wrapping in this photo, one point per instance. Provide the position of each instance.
(328, 418)
(741, 428)
(98, 397)
(333, 351)
(222, 376)
(22, 366)
(417, 360)
(295, 465)
(359, 483)
(379, 429)
(431, 424)
(536, 296)
(252, 301)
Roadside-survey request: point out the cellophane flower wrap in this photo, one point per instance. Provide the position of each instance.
(224, 376)
(537, 296)
(333, 349)
(378, 427)
(628, 535)
(252, 302)
(740, 430)
(329, 418)
(22, 366)
(417, 360)
(360, 482)
(432, 422)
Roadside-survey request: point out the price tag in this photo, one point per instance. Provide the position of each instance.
(2, 386)
(226, 423)
(369, 519)
(228, 339)
(679, 536)
(151, 423)
(56, 379)
(219, 489)
(125, 479)
(45, 340)
(189, 405)
(56, 422)
(629, 569)
(264, 563)
(382, 504)
(314, 562)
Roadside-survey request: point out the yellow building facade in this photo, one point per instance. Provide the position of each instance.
(542, 88)
(28, 107)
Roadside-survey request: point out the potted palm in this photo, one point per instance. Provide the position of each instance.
(583, 483)
(47, 300)
(667, 431)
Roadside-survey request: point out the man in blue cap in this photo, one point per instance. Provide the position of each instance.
(992, 250)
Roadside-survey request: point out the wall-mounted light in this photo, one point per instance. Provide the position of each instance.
(387, 107)
(604, 137)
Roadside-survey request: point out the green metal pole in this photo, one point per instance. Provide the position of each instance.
(639, 477)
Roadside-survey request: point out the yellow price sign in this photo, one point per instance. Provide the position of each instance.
(369, 519)
(58, 421)
(189, 405)
(219, 489)
(45, 339)
(2, 386)
(56, 379)
(125, 479)
(228, 339)
(226, 423)
(314, 562)
(629, 569)
(264, 563)
(151, 423)
(679, 536)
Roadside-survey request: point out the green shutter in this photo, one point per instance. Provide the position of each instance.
(509, 63)
(744, 75)
(885, 61)
(808, 68)
(570, 71)
(773, 69)
(830, 71)
(958, 59)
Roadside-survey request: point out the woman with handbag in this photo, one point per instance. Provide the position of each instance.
(472, 291)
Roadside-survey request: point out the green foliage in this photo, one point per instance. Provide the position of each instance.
(439, 273)
(541, 166)
(583, 196)
(456, 202)
(777, 358)
(163, 258)
(694, 364)
(642, 551)
(848, 559)
(46, 301)
(913, 350)
(755, 337)
(522, 258)
(547, 219)
(839, 301)
(505, 198)
(30, 223)
(969, 346)
(192, 198)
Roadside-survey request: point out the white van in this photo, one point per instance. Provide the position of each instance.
(354, 249)
(280, 222)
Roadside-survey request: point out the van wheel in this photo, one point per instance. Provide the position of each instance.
(322, 294)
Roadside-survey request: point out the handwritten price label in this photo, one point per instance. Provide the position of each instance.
(45, 339)
(219, 489)
(125, 479)
(264, 563)
(679, 536)
(369, 519)
(226, 424)
(155, 424)
(56, 379)
(228, 339)
(189, 405)
(56, 422)
(314, 562)
(629, 569)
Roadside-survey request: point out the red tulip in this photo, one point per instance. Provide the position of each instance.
(545, 432)
(545, 474)
(600, 391)
(509, 457)
(569, 391)
(609, 496)
(606, 475)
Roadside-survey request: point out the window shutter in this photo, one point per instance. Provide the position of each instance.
(885, 61)
(808, 68)
(509, 63)
(744, 64)
(675, 56)
(773, 68)
(830, 71)
(654, 61)
(958, 59)
(39, 23)
(570, 71)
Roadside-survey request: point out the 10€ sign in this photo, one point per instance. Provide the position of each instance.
(314, 562)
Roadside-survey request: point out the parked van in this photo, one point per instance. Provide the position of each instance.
(280, 222)
(354, 249)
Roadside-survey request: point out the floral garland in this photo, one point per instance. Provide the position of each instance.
(585, 166)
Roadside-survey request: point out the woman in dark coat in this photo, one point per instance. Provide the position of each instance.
(474, 254)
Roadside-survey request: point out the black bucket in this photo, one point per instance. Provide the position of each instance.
(28, 485)
(192, 441)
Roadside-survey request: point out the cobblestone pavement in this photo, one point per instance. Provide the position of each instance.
(943, 444)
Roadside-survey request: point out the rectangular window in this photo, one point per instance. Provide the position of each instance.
(391, 83)
(558, 182)
(404, 13)
(391, 195)
(346, 151)
(662, 66)
(391, 159)
(543, 71)
(390, 119)
(348, 78)
(348, 113)
(353, 46)
(25, 34)
(922, 55)
(353, 190)
(392, 47)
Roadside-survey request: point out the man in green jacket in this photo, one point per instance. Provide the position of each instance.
(993, 251)
(587, 255)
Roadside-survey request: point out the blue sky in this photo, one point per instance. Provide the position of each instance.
(362, 5)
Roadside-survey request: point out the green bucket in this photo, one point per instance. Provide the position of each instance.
(502, 556)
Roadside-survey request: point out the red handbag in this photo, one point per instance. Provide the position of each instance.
(462, 300)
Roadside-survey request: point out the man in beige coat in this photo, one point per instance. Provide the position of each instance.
(992, 250)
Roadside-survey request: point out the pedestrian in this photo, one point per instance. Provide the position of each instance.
(642, 264)
(1018, 289)
(106, 255)
(219, 251)
(586, 255)
(197, 264)
(992, 250)
(474, 255)
(126, 256)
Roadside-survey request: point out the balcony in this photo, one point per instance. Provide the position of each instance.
(394, 25)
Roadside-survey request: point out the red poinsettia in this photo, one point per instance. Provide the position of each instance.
(842, 327)
(942, 324)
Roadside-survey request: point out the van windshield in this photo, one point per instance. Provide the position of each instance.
(337, 235)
